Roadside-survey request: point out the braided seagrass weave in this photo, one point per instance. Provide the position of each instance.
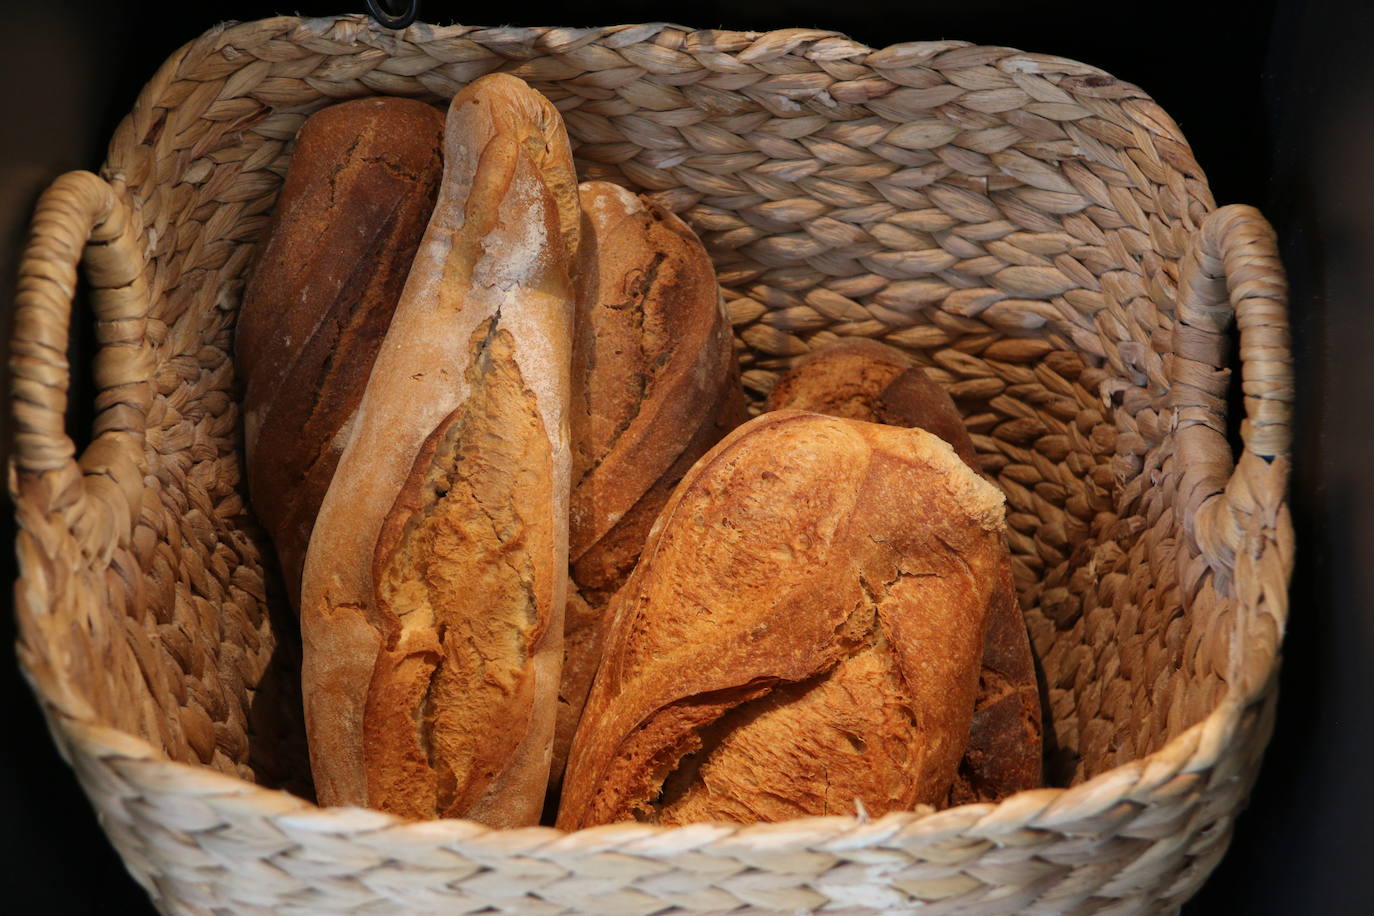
(1034, 231)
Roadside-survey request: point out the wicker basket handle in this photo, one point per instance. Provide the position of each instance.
(1232, 268)
(80, 214)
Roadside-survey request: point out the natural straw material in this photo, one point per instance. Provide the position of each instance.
(1034, 231)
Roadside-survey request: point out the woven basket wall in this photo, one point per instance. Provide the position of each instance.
(1035, 231)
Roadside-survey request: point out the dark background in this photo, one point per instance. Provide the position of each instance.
(1277, 100)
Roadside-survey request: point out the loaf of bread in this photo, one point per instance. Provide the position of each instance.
(864, 379)
(801, 634)
(655, 384)
(867, 380)
(435, 580)
(355, 202)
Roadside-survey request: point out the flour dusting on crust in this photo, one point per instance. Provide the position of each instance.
(514, 259)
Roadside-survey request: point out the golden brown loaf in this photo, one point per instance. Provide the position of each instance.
(435, 580)
(655, 384)
(349, 218)
(867, 380)
(803, 630)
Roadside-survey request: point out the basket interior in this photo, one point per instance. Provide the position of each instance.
(1014, 221)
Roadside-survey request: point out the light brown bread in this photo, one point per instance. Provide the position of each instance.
(868, 380)
(803, 630)
(655, 384)
(355, 202)
(435, 580)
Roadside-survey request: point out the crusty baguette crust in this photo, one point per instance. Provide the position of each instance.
(435, 580)
(868, 380)
(348, 220)
(808, 612)
(655, 385)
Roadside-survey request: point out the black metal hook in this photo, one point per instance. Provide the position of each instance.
(393, 21)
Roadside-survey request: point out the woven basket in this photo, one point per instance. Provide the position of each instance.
(1033, 230)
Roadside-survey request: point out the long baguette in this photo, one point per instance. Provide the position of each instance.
(436, 577)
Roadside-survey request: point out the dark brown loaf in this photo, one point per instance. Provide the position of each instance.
(355, 202)
(803, 629)
(1005, 752)
(655, 384)
(867, 380)
(432, 608)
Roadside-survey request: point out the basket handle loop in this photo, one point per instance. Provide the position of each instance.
(1232, 268)
(80, 217)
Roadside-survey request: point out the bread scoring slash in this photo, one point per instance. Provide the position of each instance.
(435, 581)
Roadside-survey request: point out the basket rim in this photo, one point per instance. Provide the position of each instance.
(749, 46)
(1193, 750)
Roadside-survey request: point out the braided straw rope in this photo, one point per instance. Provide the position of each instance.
(1034, 231)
